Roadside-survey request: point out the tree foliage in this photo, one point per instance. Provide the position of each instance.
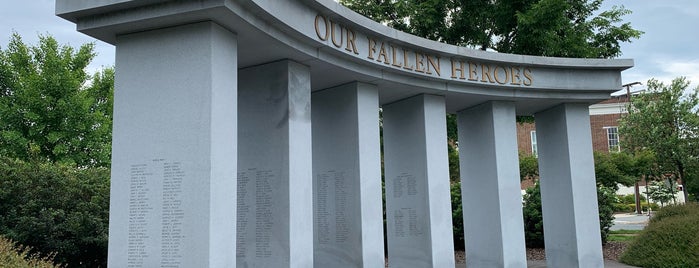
(664, 120)
(559, 28)
(50, 108)
(614, 169)
(658, 191)
(56, 208)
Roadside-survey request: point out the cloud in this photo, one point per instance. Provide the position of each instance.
(671, 69)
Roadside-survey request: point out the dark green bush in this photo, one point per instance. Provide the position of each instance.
(618, 207)
(457, 216)
(56, 208)
(534, 224)
(630, 199)
(533, 221)
(670, 240)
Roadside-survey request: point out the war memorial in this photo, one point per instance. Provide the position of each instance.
(247, 134)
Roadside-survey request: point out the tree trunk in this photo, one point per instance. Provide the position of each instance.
(680, 168)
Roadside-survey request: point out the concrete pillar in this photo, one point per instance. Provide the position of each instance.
(568, 189)
(418, 205)
(174, 148)
(490, 183)
(348, 225)
(275, 219)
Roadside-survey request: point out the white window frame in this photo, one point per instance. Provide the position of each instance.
(613, 144)
(532, 138)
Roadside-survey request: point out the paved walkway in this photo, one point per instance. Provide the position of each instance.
(629, 221)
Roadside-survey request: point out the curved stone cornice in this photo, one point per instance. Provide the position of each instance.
(342, 46)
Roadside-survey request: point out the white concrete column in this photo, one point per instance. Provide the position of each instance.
(490, 189)
(275, 216)
(418, 204)
(568, 190)
(348, 225)
(174, 148)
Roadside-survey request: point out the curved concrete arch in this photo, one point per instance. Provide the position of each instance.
(342, 46)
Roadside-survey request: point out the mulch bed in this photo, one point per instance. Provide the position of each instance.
(611, 251)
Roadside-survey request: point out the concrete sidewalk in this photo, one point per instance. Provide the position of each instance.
(542, 264)
(629, 221)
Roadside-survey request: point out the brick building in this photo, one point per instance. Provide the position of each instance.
(604, 124)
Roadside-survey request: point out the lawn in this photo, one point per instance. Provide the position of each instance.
(623, 235)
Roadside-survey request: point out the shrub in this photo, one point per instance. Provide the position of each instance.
(56, 208)
(457, 216)
(533, 221)
(618, 207)
(671, 239)
(630, 199)
(534, 224)
(15, 256)
(605, 199)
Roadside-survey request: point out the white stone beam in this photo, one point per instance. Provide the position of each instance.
(568, 189)
(348, 225)
(418, 205)
(275, 219)
(491, 196)
(174, 148)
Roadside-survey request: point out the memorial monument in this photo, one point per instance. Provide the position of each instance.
(246, 134)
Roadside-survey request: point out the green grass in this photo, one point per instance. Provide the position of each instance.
(623, 235)
(627, 232)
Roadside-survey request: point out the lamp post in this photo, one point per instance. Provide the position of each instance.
(636, 190)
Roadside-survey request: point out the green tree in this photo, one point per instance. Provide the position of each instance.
(559, 28)
(660, 192)
(50, 108)
(614, 169)
(664, 120)
(55, 208)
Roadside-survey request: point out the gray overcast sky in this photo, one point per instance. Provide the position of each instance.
(669, 48)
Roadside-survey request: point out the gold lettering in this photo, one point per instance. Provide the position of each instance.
(351, 36)
(419, 62)
(406, 61)
(485, 72)
(372, 48)
(436, 66)
(528, 75)
(325, 23)
(472, 72)
(395, 60)
(382, 53)
(514, 72)
(497, 77)
(460, 69)
(332, 34)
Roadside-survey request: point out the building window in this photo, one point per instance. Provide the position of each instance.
(613, 139)
(535, 153)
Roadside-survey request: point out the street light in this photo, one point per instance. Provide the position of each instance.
(628, 88)
(636, 190)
